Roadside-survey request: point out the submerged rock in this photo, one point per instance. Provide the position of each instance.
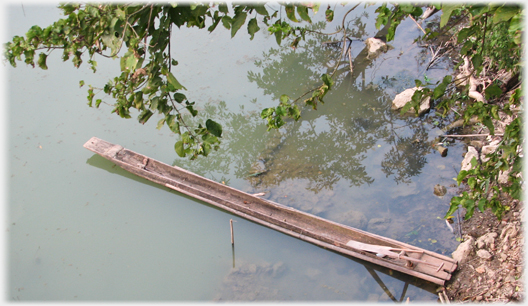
(252, 282)
(405, 97)
(375, 47)
(378, 225)
(439, 190)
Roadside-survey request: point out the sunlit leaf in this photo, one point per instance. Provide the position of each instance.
(329, 14)
(172, 80)
(447, 9)
(303, 13)
(180, 150)
(290, 12)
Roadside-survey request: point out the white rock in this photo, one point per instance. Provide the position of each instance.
(503, 177)
(484, 254)
(466, 163)
(486, 240)
(463, 251)
(404, 97)
(487, 150)
(375, 47)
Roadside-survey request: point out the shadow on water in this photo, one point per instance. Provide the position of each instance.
(102, 163)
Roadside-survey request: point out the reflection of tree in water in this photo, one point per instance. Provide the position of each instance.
(241, 142)
(332, 142)
(326, 145)
(407, 153)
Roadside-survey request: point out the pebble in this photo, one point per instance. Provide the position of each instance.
(484, 254)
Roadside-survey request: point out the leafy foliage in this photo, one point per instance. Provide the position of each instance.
(139, 35)
(491, 41)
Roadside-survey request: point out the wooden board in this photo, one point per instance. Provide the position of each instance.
(426, 265)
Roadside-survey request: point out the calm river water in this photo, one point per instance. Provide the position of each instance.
(81, 229)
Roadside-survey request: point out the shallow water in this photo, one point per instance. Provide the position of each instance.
(82, 229)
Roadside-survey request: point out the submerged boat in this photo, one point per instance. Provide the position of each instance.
(386, 252)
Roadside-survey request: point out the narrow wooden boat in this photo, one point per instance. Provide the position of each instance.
(390, 253)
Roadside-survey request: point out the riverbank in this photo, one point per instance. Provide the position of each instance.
(491, 259)
(490, 256)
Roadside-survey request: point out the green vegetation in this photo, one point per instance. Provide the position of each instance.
(488, 35)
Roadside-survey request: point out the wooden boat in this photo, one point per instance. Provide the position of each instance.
(390, 253)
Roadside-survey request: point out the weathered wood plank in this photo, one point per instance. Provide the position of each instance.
(426, 265)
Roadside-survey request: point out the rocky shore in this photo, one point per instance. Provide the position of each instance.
(491, 259)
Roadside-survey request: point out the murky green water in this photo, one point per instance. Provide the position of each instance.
(79, 228)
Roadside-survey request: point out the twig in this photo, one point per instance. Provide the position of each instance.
(350, 61)
(417, 24)
(470, 135)
(441, 298)
(445, 296)
(232, 234)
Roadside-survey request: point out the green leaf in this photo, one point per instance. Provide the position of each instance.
(145, 116)
(206, 149)
(191, 110)
(280, 111)
(452, 208)
(253, 27)
(160, 124)
(481, 205)
(267, 112)
(180, 150)
(284, 99)
(447, 9)
(329, 15)
(493, 91)
(303, 12)
(294, 112)
(489, 124)
(463, 34)
(441, 88)
(290, 12)
(179, 97)
(327, 80)
(214, 128)
(172, 80)
(477, 61)
(226, 21)
(81, 83)
(261, 9)
(42, 61)
(505, 13)
(237, 22)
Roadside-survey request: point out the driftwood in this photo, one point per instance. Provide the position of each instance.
(459, 123)
(470, 135)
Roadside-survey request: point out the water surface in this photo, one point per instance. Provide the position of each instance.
(82, 229)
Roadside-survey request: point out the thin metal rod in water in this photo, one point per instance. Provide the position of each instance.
(232, 234)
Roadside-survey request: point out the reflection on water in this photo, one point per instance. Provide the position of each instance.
(80, 228)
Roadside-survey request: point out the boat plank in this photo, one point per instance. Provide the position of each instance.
(427, 265)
